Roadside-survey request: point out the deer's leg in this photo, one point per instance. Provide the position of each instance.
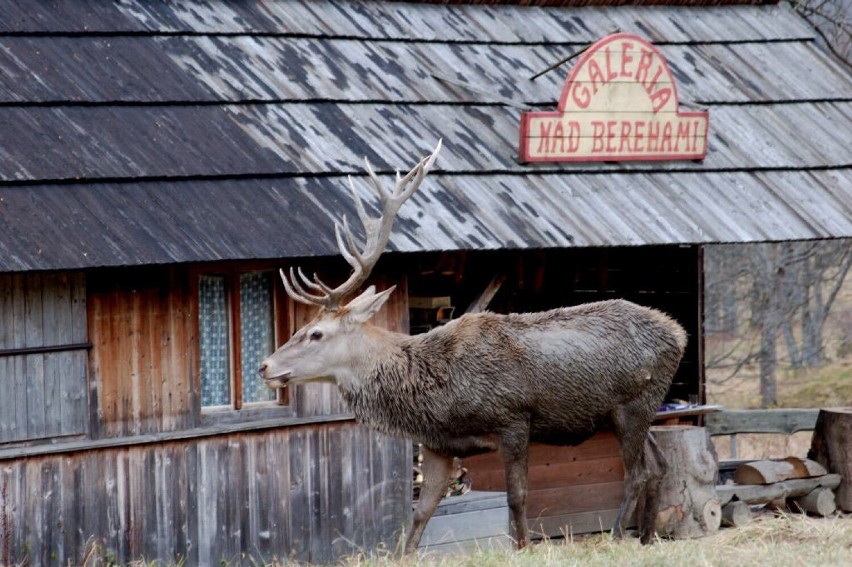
(632, 422)
(436, 475)
(515, 448)
(655, 468)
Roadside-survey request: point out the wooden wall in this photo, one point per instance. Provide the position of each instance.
(42, 357)
(149, 477)
(310, 493)
(143, 362)
(575, 487)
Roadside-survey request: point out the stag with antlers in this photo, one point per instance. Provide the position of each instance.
(485, 381)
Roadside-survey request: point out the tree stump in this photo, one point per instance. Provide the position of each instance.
(830, 446)
(687, 503)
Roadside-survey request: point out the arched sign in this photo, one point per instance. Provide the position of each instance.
(619, 103)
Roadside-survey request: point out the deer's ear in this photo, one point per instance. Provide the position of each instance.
(362, 308)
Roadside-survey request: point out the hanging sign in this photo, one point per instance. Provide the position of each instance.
(619, 103)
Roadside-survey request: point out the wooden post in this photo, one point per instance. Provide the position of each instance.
(830, 446)
(687, 502)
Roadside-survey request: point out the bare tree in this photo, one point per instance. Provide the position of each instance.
(779, 290)
(831, 19)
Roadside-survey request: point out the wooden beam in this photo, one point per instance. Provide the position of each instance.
(786, 421)
(74, 444)
(481, 303)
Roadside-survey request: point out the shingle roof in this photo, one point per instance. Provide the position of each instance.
(140, 132)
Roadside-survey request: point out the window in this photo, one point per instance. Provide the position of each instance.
(238, 327)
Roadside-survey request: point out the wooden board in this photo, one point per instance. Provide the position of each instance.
(460, 522)
(45, 387)
(310, 493)
(142, 326)
(565, 484)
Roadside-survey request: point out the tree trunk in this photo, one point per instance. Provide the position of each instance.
(768, 364)
(830, 446)
(792, 347)
(687, 502)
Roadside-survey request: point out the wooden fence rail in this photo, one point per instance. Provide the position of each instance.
(780, 421)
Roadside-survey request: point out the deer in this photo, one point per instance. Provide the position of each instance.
(484, 381)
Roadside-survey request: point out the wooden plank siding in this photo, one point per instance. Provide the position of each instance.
(310, 493)
(42, 372)
(580, 486)
(142, 326)
(153, 479)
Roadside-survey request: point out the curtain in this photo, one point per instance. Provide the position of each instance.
(257, 332)
(213, 329)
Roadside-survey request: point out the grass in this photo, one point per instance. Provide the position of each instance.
(779, 540)
(775, 539)
(822, 387)
(787, 539)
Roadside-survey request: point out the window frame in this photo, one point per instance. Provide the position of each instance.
(282, 316)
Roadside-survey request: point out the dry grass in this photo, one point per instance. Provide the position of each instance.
(779, 540)
(770, 540)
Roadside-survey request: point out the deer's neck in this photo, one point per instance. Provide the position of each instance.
(386, 388)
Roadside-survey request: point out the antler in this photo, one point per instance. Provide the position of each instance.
(377, 232)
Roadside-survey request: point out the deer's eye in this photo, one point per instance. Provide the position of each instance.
(315, 335)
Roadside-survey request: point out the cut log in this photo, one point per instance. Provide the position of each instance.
(831, 448)
(819, 502)
(736, 514)
(769, 472)
(687, 505)
(761, 494)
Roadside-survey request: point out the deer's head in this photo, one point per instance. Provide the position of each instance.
(326, 348)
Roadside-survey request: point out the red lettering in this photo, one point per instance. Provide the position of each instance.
(625, 136)
(610, 135)
(660, 98)
(582, 101)
(682, 134)
(573, 136)
(596, 75)
(653, 86)
(558, 138)
(644, 66)
(638, 134)
(653, 135)
(626, 47)
(543, 136)
(597, 136)
(610, 74)
(667, 138)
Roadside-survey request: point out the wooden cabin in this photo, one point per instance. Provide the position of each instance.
(160, 162)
